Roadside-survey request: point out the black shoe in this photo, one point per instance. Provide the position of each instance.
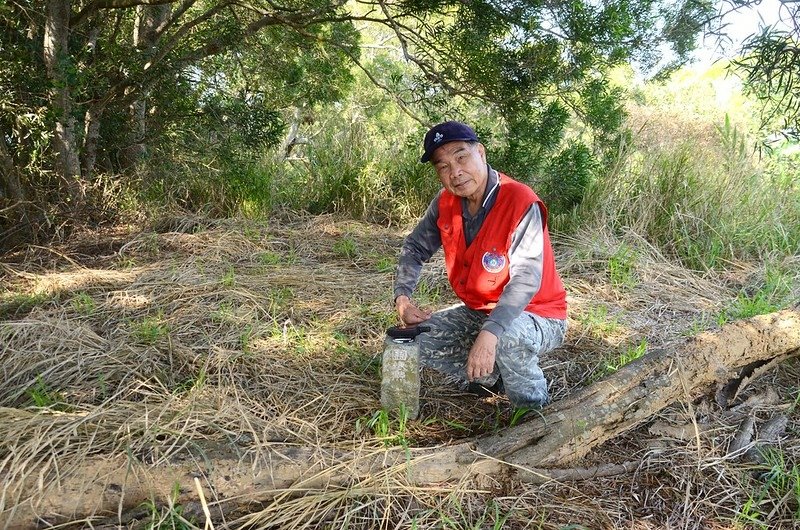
(479, 390)
(484, 391)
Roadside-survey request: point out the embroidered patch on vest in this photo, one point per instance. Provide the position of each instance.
(493, 262)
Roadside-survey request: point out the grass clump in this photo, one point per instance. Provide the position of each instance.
(385, 264)
(150, 329)
(20, 303)
(223, 313)
(772, 292)
(621, 267)
(195, 382)
(458, 517)
(270, 258)
(613, 363)
(278, 300)
(228, 278)
(83, 304)
(391, 430)
(597, 321)
(775, 496)
(626, 357)
(707, 207)
(746, 306)
(45, 397)
(346, 247)
(168, 517)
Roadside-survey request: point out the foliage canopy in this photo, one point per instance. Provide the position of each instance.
(96, 93)
(770, 68)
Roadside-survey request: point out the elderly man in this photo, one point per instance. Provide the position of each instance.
(500, 264)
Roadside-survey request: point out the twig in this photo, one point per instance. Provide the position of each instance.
(209, 524)
(57, 253)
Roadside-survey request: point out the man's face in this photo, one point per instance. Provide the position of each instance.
(461, 168)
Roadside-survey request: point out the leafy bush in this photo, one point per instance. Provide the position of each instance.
(567, 177)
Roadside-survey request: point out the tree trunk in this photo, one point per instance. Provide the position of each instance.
(57, 60)
(565, 432)
(292, 137)
(13, 201)
(94, 113)
(642, 388)
(10, 184)
(146, 31)
(91, 137)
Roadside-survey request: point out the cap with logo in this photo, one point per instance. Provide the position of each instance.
(449, 131)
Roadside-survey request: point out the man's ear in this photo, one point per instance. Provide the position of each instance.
(482, 151)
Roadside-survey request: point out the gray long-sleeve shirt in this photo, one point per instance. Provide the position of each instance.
(524, 257)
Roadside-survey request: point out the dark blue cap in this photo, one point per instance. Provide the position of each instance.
(449, 131)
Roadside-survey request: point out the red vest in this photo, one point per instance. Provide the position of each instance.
(479, 273)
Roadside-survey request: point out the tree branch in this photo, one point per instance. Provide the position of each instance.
(97, 5)
(177, 14)
(402, 104)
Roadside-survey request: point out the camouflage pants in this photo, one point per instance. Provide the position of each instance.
(453, 331)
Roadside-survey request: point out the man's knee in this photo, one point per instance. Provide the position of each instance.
(526, 392)
(454, 318)
(518, 359)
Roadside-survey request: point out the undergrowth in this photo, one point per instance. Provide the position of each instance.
(706, 208)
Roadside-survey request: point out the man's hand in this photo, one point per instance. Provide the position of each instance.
(410, 314)
(481, 356)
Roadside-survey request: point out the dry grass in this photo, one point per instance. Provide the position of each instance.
(237, 335)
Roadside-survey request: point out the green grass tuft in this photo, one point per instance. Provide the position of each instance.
(391, 430)
(83, 303)
(612, 364)
(346, 247)
(150, 329)
(776, 495)
(621, 267)
(45, 397)
(597, 322)
(21, 303)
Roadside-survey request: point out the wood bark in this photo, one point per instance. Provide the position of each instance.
(57, 59)
(92, 117)
(91, 137)
(146, 30)
(565, 432)
(642, 388)
(10, 183)
(14, 204)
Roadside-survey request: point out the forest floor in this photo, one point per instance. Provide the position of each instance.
(238, 334)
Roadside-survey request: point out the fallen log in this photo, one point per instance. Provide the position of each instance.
(640, 389)
(565, 432)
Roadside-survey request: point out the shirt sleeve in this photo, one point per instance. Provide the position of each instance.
(420, 245)
(525, 262)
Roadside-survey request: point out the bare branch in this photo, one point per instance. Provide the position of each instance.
(97, 5)
(174, 17)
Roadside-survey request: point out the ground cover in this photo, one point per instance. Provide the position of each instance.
(221, 339)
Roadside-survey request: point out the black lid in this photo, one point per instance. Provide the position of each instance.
(410, 332)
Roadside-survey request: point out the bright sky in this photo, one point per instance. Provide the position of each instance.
(742, 24)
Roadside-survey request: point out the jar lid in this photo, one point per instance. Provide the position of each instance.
(410, 332)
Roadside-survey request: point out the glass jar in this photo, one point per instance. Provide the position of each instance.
(400, 381)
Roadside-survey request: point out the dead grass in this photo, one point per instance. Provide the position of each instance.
(237, 335)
